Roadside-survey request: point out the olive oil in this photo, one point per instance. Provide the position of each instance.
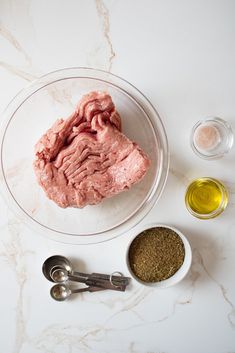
(206, 198)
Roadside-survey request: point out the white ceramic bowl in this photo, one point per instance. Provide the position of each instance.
(183, 270)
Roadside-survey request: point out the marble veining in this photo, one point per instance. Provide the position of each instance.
(180, 176)
(4, 32)
(223, 290)
(103, 13)
(13, 255)
(14, 70)
(177, 54)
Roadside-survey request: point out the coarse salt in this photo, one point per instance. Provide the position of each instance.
(206, 137)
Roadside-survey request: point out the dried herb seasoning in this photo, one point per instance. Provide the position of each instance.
(156, 254)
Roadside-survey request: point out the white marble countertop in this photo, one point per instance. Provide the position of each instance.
(181, 55)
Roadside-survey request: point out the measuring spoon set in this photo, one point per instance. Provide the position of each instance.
(58, 269)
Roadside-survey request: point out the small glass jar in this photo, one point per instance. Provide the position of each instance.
(206, 198)
(211, 138)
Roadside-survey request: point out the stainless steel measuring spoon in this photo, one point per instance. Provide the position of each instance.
(61, 275)
(58, 269)
(55, 262)
(61, 292)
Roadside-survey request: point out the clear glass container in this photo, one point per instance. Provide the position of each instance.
(33, 111)
(211, 138)
(206, 198)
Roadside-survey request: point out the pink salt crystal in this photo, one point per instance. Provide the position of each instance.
(206, 137)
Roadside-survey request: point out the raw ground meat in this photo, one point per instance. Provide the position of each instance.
(85, 158)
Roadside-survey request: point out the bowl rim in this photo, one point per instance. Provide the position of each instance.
(94, 73)
(184, 269)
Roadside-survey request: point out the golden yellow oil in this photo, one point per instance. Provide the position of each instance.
(206, 198)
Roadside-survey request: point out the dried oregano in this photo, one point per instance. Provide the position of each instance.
(156, 254)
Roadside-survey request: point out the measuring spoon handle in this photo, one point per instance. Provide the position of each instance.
(78, 277)
(105, 284)
(87, 289)
(119, 280)
(84, 276)
(100, 280)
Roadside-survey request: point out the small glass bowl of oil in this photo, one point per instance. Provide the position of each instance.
(206, 198)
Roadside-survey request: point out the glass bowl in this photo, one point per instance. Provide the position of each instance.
(206, 198)
(33, 111)
(211, 138)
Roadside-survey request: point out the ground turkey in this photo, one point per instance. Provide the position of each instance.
(85, 158)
